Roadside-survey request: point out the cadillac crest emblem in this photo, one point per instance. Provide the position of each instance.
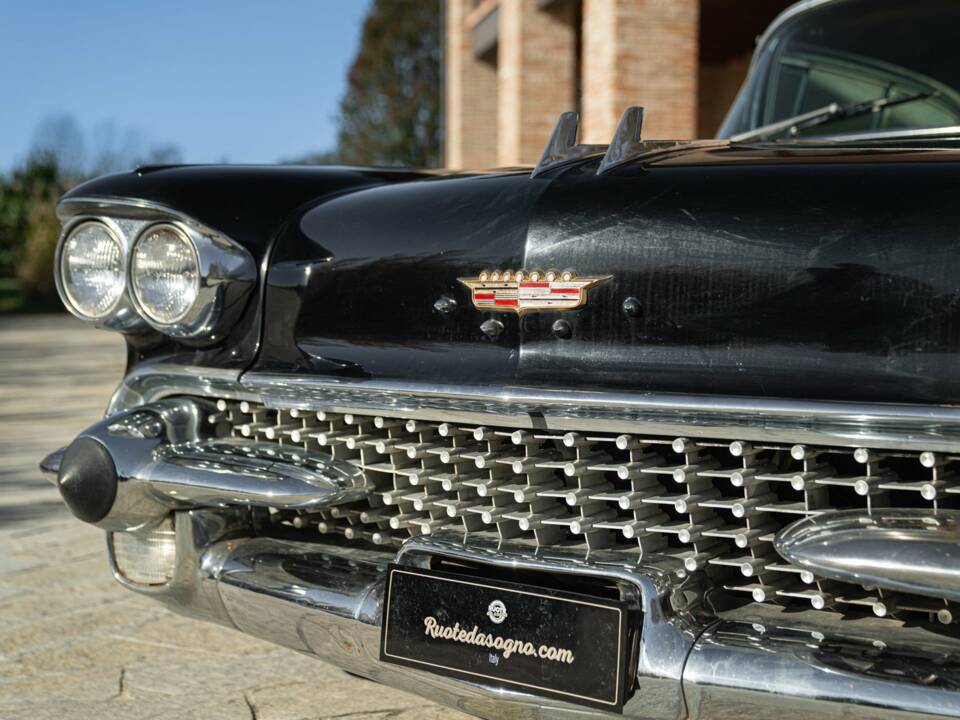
(535, 291)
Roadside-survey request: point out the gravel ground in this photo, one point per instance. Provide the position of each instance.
(73, 644)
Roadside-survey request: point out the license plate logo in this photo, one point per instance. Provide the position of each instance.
(497, 612)
(541, 641)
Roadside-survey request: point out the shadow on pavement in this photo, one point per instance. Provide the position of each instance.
(11, 515)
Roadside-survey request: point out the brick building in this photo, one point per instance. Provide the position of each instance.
(512, 66)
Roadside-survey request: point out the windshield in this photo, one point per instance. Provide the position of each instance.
(859, 52)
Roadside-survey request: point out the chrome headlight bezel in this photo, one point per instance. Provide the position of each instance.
(121, 315)
(226, 271)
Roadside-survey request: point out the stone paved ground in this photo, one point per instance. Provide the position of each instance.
(73, 644)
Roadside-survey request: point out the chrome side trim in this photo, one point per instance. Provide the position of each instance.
(847, 424)
(914, 551)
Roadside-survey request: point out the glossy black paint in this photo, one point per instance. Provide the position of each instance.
(799, 272)
(249, 204)
(352, 288)
(813, 280)
(826, 273)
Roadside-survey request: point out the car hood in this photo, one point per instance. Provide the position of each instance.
(823, 272)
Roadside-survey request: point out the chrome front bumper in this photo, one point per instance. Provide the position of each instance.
(326, 600)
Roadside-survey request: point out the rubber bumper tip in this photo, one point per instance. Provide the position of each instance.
(88, 480)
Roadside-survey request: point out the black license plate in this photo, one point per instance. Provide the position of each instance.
(518, 637)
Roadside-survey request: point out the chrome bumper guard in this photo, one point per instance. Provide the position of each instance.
(164, 456)
(326, 600)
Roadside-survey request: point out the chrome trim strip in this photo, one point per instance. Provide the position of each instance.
(136, 208)
(904, 134)
(890, 426)
(782, 19)
(906, 550)
(848, 424)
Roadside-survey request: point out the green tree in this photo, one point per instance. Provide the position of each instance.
(390, 114)
(31, 191)
(29, 227)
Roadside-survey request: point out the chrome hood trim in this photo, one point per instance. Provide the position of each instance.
(871, 425)
(913, 551)
(890, 426)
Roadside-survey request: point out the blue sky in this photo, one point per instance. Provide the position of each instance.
(234, 80)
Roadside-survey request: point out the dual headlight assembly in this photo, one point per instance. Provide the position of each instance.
(129, 276)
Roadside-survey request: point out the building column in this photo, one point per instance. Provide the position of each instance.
(640, 52)
(470, 95)
(537, 75)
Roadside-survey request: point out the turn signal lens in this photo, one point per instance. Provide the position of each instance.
(146, 557)
(165, 274)
(92, 270)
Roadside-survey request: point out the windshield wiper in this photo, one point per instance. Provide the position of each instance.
(828, 113)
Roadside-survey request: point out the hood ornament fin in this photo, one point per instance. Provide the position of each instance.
(626, 143)
(562, 148)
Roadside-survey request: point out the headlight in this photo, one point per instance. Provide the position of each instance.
(165, 274)
(186, 283)
(144, 267)
(92, 270)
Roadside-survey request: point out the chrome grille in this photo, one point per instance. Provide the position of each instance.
(714, 505)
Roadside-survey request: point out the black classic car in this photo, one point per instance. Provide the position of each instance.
(667, 429)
